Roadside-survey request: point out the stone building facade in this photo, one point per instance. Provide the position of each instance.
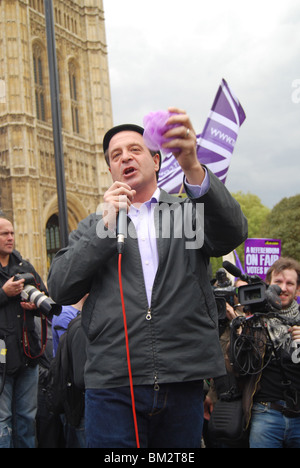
(28, 193)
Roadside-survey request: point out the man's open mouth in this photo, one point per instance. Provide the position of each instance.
(128, 171)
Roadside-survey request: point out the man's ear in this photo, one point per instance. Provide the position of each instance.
(156, 159)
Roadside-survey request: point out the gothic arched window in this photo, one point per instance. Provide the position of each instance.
(38, 69)
(74, 97)
(52, 239)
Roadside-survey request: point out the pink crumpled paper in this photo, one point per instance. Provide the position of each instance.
(155, 126)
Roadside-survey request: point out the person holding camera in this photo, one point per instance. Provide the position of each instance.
(170, 308)
(275, 421)
(19, 345)
(266, 355)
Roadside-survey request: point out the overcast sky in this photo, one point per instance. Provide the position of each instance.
(172, 53)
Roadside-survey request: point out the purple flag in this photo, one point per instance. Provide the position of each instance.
(216, 143)
(238, 262)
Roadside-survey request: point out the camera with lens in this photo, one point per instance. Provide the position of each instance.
(33, 295)
(223, 292)
(249, 333)
(257, 297)
(260, 298)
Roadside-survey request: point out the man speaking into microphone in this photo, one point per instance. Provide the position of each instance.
(170, 308)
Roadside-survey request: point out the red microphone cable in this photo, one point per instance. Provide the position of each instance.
(128, 354)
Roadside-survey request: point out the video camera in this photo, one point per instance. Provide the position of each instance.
(31, 294)
(249, 333)
(223, 292)
(257, 297)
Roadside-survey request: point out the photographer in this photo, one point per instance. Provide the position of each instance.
(19, 347)
(228, 310)
(273, 388)
(226, 298)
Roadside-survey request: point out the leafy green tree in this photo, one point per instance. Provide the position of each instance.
(283, 222)
(254, 211)
(256, 214)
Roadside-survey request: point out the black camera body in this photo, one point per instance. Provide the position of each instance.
(257, 297)
(260, 298)
(33, 295)
(28, 277)
(223, 292)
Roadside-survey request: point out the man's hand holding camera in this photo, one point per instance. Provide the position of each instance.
(28, 306)
(295, 331)
(14, 288)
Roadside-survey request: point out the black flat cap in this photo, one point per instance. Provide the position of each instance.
(120, 128)
(125, 128)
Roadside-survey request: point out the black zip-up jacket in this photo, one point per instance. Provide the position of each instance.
(176, 339)
(12, 317)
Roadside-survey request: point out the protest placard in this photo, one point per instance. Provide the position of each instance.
(260, 254)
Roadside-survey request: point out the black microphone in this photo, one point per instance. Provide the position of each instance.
(121, 230)
(236, 272)
(232, 269)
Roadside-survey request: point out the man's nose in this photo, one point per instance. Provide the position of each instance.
(283, 287)
(126, 156)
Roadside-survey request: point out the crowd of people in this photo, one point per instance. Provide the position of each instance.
(146, 373)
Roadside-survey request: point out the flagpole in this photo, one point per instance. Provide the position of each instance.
(181, 190)
(57, 125)
(230, 258)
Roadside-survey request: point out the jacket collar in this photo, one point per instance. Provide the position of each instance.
(15, 260)
(16, 256)
(161, 196)
(170, 199)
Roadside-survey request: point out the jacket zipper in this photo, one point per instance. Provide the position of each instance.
(149, 319)
(149, 315)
